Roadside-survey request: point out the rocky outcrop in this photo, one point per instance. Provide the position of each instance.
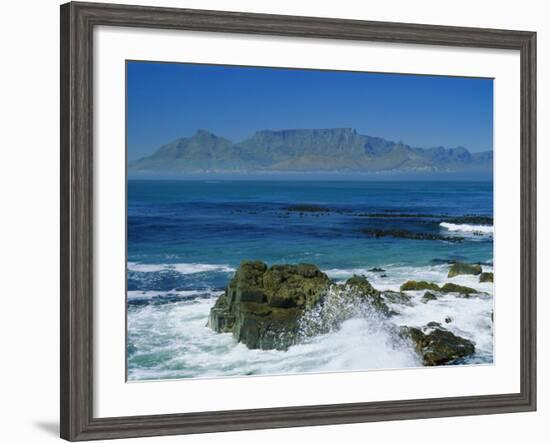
(278, 306)
(486, 277)
(397, 298)
(262, 306)
(436, 345)
(428, 296)
(463, 290)
(461, 268)
(413, 285)
(275, 307)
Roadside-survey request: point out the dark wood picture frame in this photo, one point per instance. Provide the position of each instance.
(77, 23)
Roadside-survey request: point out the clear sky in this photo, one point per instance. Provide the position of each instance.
(166, 101)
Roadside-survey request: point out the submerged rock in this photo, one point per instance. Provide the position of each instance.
(398, 233)
(461, 268)
(428, 296)
(486, 277)
(377, 270)
(413, 285)
(436, 345)
(306, 208)
(471, 219)
(262, 306)
(452, 287)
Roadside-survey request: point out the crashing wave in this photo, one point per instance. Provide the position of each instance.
(472, 229)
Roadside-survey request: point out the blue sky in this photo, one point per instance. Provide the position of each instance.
(166, 101)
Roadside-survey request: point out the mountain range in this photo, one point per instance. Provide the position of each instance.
(305, 150)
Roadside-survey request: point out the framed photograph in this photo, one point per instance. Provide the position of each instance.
(272, 221)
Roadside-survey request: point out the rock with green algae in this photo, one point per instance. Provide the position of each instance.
(486, 277)
(461, 268)
(437, 345)
(428, 296)
(463, 290)
(396, 298)
(360, 289)
(265, 308)
(262, 306)
(413, 285)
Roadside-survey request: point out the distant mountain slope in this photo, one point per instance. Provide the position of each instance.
(306, 150)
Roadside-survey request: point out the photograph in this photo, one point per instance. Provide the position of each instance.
(286, 221)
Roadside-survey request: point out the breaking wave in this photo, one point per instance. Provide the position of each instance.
(472, 229)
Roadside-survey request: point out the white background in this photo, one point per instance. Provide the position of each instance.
(30, 184)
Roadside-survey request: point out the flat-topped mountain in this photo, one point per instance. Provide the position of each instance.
(306, 150)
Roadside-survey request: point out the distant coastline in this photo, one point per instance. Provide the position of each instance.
(336, 151)
(389, 176)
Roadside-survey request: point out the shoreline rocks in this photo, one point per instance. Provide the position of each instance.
(463, 290)
(486, 277)
(276, 307)
(437, 345)
(461, 268)
(413, 285)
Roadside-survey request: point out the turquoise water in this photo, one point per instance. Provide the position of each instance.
(186, 238)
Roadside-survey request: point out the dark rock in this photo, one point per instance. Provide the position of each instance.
(464, 290)
(358, 287)
(377, 270)
(306, 208)
(461, 268)
(428, 296)
(486, 277)
(383, 276)
(397, 233)
(413, 285)
(448, 319)
(397, 298)
(436, 345)
(433, 324)
(262, 306)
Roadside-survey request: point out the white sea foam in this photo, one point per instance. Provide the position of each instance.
(182, 268)
(473, 229)
(144, 295)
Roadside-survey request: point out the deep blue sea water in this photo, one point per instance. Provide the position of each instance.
(186, 238)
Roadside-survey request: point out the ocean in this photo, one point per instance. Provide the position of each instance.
(185, 239)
